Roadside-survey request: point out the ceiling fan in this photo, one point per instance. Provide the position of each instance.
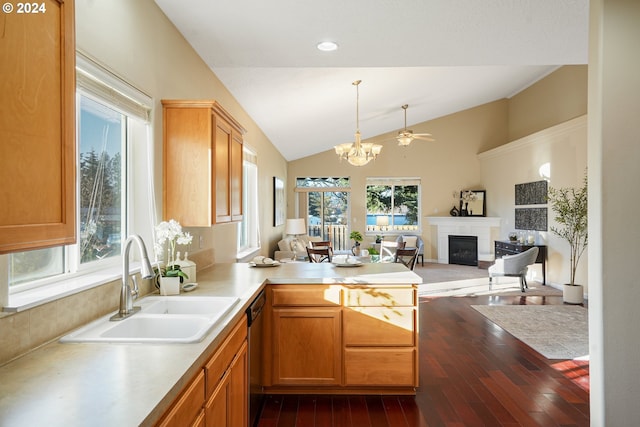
(406, 136)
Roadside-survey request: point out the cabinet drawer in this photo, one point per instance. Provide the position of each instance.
(305, 295)
(188, 406)
(385, 367)
(396, 296)
(392, 326)
(220, 361)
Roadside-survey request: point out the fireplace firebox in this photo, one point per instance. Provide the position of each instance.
(463, 250)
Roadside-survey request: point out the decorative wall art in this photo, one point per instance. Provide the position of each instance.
(531, 193)
(473, 203)
(531, 219)
(278, 202)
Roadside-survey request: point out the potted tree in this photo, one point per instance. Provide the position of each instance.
(356, 236)
(570, 208)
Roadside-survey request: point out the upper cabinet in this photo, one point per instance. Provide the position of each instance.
(37, 127)
(202, 158)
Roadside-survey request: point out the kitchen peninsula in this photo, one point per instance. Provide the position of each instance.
(371, 311)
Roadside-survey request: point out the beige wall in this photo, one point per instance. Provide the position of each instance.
(137, 42)
(559, 97)
(452, 162)
(614, 201)
(459, 138)
(564, 148)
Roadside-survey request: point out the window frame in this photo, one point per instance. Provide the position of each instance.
(96, 82)
(372, 230)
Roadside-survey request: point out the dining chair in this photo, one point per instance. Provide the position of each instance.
(388, 250)
(319, 254)
(407, 257)
(321, 245)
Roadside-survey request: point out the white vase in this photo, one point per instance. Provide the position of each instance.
(573, 294)
(169, 285)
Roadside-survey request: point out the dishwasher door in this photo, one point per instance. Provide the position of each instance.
(254, 317)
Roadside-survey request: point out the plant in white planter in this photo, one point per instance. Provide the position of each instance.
(570, 208)
(356, 236)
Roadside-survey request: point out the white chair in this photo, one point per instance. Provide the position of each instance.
(514, 266)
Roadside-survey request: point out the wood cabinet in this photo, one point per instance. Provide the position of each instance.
(341, 339)
(37, 128)
(202, 163)
(380, 336)
(187, 410)
(503, 248)
(218, 396)
(227, 381)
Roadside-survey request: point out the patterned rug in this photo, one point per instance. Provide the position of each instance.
(555, 331)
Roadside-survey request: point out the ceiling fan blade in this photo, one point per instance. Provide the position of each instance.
(422, 134)
(423, 138)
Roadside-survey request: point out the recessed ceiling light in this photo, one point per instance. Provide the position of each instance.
(327, 46)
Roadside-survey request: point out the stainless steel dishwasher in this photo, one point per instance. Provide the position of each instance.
(254, 317)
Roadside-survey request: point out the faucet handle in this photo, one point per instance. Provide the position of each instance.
(135, 291)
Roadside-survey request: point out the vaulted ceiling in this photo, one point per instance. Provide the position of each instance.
(438, 56)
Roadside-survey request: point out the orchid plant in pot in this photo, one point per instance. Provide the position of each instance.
(170, 233)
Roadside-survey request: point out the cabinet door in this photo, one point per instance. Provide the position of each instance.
(37, 128)
(236, 177)
(306, 346)
(217, 407)
(188, 407)
(187, 185)
(381, 367)
(222, 149)
(239, 389)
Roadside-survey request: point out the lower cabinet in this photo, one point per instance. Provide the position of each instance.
(218, 396)
(306, 346)
(227, 405)
(341, 338)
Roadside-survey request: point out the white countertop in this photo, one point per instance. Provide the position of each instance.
(96, 384)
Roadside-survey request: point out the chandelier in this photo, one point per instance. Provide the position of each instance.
(358, 153)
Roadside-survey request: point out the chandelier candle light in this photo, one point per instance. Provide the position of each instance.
(358, 153)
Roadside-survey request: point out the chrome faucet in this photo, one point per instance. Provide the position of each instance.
(127, 293)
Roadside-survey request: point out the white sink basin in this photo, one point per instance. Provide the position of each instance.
(161, 320)
(205, 306)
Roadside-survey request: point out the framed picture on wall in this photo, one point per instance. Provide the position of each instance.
(278, 201)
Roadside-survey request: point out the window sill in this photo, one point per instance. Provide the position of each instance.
(247, 255)
(21, 301)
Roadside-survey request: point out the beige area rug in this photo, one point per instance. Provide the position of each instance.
(448, 280)
(555, 331)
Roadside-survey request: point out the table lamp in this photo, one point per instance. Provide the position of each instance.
(382, 221)
(295, 227)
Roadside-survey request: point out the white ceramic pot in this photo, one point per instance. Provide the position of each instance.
(573, 294)
(169, 285)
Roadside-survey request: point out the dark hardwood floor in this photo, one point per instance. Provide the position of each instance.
(472, 373)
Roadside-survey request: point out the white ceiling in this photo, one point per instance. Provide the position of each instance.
(438, 56)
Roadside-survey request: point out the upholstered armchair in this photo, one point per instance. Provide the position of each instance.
(413, 241)
(514, 266)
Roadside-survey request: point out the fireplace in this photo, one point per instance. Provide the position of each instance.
(463, 250)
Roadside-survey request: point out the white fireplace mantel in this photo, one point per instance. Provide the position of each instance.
(479, 226)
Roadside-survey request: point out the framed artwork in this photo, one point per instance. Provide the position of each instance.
(278, 201)
(531, 193)
(531, 219)
(473, 202)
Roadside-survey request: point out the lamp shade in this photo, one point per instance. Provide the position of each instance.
(295, 226)
(382, 220)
